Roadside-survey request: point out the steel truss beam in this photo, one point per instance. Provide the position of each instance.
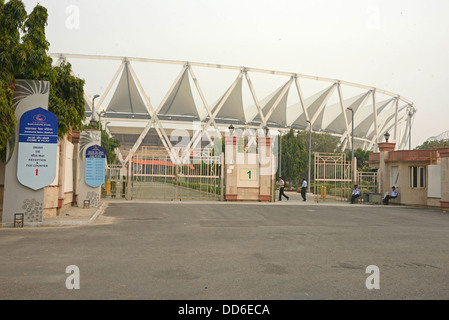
(399, 124)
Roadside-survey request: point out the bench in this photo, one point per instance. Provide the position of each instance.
(395, 201)
(372, 198)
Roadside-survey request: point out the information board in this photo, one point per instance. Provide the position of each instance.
(95, 166)
(37, 153)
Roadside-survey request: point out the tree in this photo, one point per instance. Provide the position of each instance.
(321, 142)
(12, 17)
(435, 144)
(108, 143)
(362, 157)
(293, 157)
(66, 98)
(25, 57)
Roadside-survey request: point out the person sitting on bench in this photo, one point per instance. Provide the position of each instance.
(394, 195)
(355, 194)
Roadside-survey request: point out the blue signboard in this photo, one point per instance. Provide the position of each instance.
(95, 166)
(37, 153)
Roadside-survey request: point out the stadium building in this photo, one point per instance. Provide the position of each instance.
(163, 104)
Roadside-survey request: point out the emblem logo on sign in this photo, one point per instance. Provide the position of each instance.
(39, 118)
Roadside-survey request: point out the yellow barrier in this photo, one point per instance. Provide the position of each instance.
(323, 192)
(108, 187)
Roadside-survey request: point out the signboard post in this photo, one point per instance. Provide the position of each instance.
(27, 195)
(37, 154)
(92, 168)
(95, 166)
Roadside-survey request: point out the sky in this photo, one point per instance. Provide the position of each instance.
(401, 46)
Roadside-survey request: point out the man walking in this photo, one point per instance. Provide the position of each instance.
(303, 189)
(281, 185)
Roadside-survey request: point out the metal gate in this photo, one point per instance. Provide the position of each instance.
(115, 182)
(367, 182)
(332, 177)
(160, 178)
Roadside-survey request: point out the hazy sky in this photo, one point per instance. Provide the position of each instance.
(400, 46)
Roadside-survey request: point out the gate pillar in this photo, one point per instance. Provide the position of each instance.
(87, 193)
(444, 154)
(249, 177)
(383, 172)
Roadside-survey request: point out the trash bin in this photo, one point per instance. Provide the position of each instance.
(366, 197)
(375, 197)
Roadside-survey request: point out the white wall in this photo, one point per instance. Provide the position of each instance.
(55, 182)
(394, 176)
(434, 180)
(68, 183)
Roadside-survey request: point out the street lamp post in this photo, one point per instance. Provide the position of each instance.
(280, 153)
(99, 118)
(352, 133)
(352, 144)
(267, 131)
(310, 154)
(410, 112)
(92, 118)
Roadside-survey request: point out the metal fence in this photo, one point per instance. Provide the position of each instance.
(367, 182)
(332, 177)
(160, 178)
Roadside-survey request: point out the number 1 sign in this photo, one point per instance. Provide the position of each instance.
(248, 174)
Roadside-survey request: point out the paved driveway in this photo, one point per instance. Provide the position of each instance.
(190, 250)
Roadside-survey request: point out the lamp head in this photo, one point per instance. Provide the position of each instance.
(93, 123)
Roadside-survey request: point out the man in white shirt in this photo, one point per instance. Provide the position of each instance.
(303, 189)
(355, 194)
(394, 194)
(281, 185)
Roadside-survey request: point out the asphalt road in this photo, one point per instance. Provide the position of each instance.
(233, 251)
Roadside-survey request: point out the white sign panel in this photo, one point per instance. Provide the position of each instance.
(37, 154)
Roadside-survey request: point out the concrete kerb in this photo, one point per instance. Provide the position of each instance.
(297, 203)
(104, 205)
(67, 223)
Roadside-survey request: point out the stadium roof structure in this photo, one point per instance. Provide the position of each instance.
(248, 98)
(442, 136)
